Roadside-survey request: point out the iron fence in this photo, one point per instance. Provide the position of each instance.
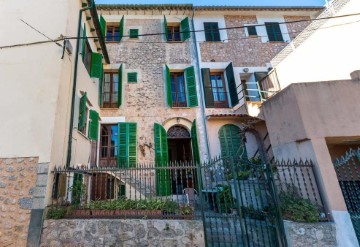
(145, 191)
(298, 191)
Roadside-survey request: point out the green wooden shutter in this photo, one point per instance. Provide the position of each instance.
(168, 86)
(102, 26)
(194, 143)
(162, 176)
(101, 86)
(191, 86)
(121, 28)
(231, 143)
(82, 112)
(209, 97)
(83, 43)
(273, 31)
(185, 29)
(232, 85)
(120, 86)
(96, 65)
(93, 125)
(127, 145)
(165, 29)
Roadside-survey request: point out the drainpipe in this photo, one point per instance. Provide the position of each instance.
(202, 102)
(71, 124)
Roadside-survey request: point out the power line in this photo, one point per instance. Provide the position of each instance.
(40, 32)
(191, 31)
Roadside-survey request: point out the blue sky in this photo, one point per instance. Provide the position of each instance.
(222, 2)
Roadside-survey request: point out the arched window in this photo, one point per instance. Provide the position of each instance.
(231, 142)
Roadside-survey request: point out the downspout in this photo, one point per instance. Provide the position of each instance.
(202, 102)
(71, 124)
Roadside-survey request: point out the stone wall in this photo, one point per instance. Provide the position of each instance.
(17, 190)
(242, 50)
(310, 234)
(114, 232)
(144, 102)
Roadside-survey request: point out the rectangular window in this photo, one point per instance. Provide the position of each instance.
(134, 33)
(173, 33)
(178, 89)
(87, 56)
(112, 34)
(251, 30)
(132, 77)
(211, 31)
(109, 145)
(273, 31)
(218, 89)
(110, 90)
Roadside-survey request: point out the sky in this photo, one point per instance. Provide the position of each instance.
(221, 2)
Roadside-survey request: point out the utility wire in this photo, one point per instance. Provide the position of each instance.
(40, 32)
(153, 34)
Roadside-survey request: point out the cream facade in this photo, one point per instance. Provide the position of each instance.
(36, 89)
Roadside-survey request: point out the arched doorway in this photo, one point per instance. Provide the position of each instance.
(180, 154)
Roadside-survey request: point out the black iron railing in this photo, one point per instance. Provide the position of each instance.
(299, 195)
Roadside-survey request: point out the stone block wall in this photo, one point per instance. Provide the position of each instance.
(144, 102)
(310, 234)
(17, 191)
(115, 232)
(244, 51)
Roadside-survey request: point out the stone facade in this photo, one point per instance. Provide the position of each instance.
(17, 191)
(144, 102)
(310, 234)
(242, 50)
(159, 233)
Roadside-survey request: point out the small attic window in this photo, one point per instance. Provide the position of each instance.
(134, 33)
(132, 77)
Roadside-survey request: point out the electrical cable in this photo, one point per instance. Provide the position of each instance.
(154, 34)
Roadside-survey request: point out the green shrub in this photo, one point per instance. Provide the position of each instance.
(56, 212)
(224, 198)
(296, 208)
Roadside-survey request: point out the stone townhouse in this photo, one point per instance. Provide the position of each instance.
(182, 79)
(49, 90)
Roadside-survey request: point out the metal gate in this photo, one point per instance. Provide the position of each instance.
(239, 204)
(348, 172)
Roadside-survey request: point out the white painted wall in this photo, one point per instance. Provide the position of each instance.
(331, 53)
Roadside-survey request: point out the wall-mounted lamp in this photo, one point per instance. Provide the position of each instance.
(212, 60)
(246, 70)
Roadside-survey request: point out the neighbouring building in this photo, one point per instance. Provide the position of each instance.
(44, 79)
(315, 114)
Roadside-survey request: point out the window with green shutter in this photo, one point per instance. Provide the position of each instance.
(181, 88)
(273, 31)
(194, 143)
(134, 33)
(191, 86)
(212, 32)
(121, 28)
(175, 32)
(251, 30)
(82, 114)
(96, 65)
(93, 125)
(102, 25)
(127, 148)
(162, 176)
(234, 98)
(231, 142)
(132, 77)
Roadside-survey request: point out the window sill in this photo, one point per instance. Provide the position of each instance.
(109, 108)
(181, 107)
(83, 135)
(275, 42)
